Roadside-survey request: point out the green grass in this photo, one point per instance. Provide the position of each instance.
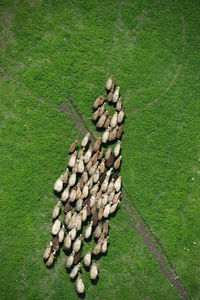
(51, 49)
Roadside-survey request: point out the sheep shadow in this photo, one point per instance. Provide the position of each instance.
(95, 281)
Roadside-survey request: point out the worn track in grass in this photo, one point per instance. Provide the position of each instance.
(150, 239)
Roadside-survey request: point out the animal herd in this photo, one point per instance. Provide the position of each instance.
(89, 191)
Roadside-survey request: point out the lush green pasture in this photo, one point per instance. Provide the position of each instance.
(51, 49)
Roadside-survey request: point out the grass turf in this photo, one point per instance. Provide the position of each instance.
(50, 49)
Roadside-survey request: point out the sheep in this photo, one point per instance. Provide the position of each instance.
(107, 122)
(108, 173)
(50, 260)
(95, 188)
(108, 153)
(102, 178)
(92, 201)
(110, 186)
(88, 155)
(98, 195)
(100, 213)
(56, 210)
(94, 208)
(104, 199)
(55, 243)
(47, 253)
(116, 95)
(95, 218)
(101, 239)
(77, 257)
(99, 202)
(79, 221)
(74, 271)
(110, 161)
(106, 210)
(79, 204)
(102, 120)
(96, 175)
(73, 146)
(58, 185)
(88, 230)
(81, 183)
(73, 232)
(119, 104)
(106, 227)
(95, 157)
(77, 244)
(61, 234)
(89, 165)
(72, 195)
(85, 140)
(85, 190)
(79, 284)
(78, 192)
(113, 134)
(85, 177)
(119, 131)
(112, 194)
(110, 96)
(104, 245)
(114, 207)
(90, 183)
(75, 167)
(80, 166)
(104, 185)
(120, 117)
(102, 166)
(67, 242)
(93, 271)
(72, 221)
(67, 218)
(105, 135)
(97, 145)
(102, 109)
(95, 115)
(87, 258)
(70, 260)
(72, 179)
(65, 194)
(117, 184)
(93, 169)
(116, 197)
(113, 122)
(116, 150)
(56, 226)
(98, 230)
(72, 160)
(64, 176)
(84, 213)
(117, 163)
(81, 152)
(97, 249)
(101, 154)
(99, 101)
(109, 83)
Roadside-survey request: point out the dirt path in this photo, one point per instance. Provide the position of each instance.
(93, 138)
(150, 239)
(155, 247)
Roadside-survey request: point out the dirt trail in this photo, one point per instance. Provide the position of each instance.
(156, 248)
(93, 138)
(150, 239)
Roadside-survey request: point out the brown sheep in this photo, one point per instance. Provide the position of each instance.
(73, 146)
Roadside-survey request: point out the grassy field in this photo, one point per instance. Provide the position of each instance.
(52, 49)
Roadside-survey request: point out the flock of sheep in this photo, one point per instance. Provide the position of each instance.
(90, 189)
